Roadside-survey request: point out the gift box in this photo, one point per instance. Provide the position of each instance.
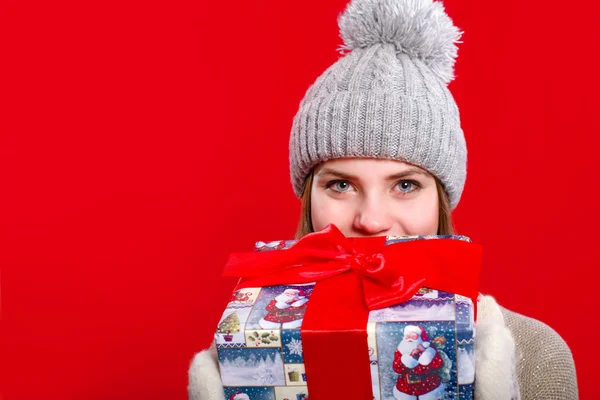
(421, 345)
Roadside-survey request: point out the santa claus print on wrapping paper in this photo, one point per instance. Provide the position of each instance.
(421, 365)
(285, 311)
(239, 396)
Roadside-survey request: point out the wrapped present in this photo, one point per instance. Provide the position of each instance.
(383, 318)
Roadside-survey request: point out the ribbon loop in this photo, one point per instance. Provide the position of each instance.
(390, 274)
(374, 263)
(359, 261)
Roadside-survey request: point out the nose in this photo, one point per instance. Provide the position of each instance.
(372, 218)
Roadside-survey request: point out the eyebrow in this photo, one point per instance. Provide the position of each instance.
(399, 175)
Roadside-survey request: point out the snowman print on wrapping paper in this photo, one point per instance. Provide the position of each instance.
(421, 365)
(286, 310)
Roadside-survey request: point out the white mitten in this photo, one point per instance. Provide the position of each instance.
(204, 378)
(495, 359)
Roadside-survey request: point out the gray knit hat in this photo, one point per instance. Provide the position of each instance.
(387, 97)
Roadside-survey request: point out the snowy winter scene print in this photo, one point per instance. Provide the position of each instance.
(417, 359)
(251, 367)
(466, 392)
(249, 393)
(466, 364)
(280, 307)
(427, 309)
(465, 320)
(230, 330)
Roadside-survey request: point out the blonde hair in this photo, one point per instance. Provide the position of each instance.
(445, 226)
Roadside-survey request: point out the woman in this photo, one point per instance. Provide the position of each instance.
(377, 149)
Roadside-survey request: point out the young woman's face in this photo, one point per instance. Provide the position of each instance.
(374, 197)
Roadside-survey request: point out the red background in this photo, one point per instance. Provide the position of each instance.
(142, 142)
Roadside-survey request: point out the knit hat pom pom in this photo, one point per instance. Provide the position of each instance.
(418, 28)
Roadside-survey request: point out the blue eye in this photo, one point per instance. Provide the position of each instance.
(339, 186)
(408, 186)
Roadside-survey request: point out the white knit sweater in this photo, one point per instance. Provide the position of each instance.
(504, 372)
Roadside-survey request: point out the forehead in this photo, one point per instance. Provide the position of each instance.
(367, 167)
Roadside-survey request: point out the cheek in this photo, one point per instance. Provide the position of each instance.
(421, 218)
(325, 211)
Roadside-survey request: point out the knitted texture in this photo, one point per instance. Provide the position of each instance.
(387, 97)
(545, 365)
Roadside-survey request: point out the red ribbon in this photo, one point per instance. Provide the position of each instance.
(333, 331)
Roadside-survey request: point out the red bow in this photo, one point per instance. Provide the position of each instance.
(389, 274)
(334, 326)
